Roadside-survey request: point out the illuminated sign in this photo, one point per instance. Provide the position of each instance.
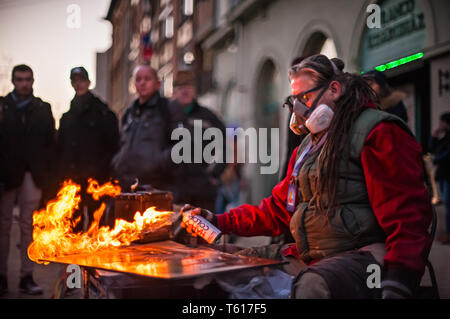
(402, 34)
(396, 63)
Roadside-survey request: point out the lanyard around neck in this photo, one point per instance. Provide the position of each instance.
(309, 149)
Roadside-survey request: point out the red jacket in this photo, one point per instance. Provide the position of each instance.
(392, 163)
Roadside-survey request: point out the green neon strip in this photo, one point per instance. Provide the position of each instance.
(396, 63)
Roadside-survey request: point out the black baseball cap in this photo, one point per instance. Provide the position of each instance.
(80, 71)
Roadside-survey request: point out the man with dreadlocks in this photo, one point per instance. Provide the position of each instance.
(354, 194)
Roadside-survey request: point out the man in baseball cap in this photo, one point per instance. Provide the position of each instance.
(88, 137)
(79, 70)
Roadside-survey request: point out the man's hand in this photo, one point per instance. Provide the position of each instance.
(189, 209)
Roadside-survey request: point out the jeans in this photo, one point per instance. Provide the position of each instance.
(28, 196)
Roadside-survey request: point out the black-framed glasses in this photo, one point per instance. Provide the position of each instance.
(301, 97)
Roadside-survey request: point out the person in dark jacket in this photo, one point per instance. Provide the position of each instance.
(88, 137)
(145, 144)
(27, 132)
(440, 147)
(197, 183)
(391, 101)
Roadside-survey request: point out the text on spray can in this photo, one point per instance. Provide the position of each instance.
(202, 227)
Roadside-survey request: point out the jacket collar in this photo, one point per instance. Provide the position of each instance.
(80, 104)
(27, 104)
(189, 108)
(151, 102)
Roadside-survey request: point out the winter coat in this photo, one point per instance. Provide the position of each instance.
(198, 182)
(145, 145)
(27, 141)
(88, 137)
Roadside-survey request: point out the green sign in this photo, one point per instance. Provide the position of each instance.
(396, 63)
(402, 34)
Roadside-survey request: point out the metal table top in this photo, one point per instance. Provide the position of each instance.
(164, 260)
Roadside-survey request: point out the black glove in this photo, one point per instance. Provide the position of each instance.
(399, 283)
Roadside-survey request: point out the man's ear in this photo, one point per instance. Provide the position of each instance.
(336, 89)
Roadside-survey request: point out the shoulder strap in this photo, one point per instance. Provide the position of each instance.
(366, 122)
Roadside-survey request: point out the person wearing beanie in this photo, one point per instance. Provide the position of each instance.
(197, 183)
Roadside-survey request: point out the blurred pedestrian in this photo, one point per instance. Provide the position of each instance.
(440, 148)
(145, 144)
(232, 184)
(391, 100)
(27, 133)
(87, 139)
(197, 183)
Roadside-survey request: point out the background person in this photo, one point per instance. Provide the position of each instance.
(391, 100)
(145, 144)
(197, 183)
(440, 148)
(88, 137)
(27, 138)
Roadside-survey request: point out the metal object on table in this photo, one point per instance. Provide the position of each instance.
(164, 260)
(127, 204)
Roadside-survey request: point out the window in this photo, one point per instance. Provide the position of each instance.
(320, 43)
(168, 27)
(188, 7)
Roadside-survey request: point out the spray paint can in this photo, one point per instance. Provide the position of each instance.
(202, 227)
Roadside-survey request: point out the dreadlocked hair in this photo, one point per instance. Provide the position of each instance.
(355, 95)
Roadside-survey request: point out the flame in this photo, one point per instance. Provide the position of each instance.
(99, 191)
(53, 226)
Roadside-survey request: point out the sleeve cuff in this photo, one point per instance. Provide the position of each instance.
(223, 223)
(402, 280)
